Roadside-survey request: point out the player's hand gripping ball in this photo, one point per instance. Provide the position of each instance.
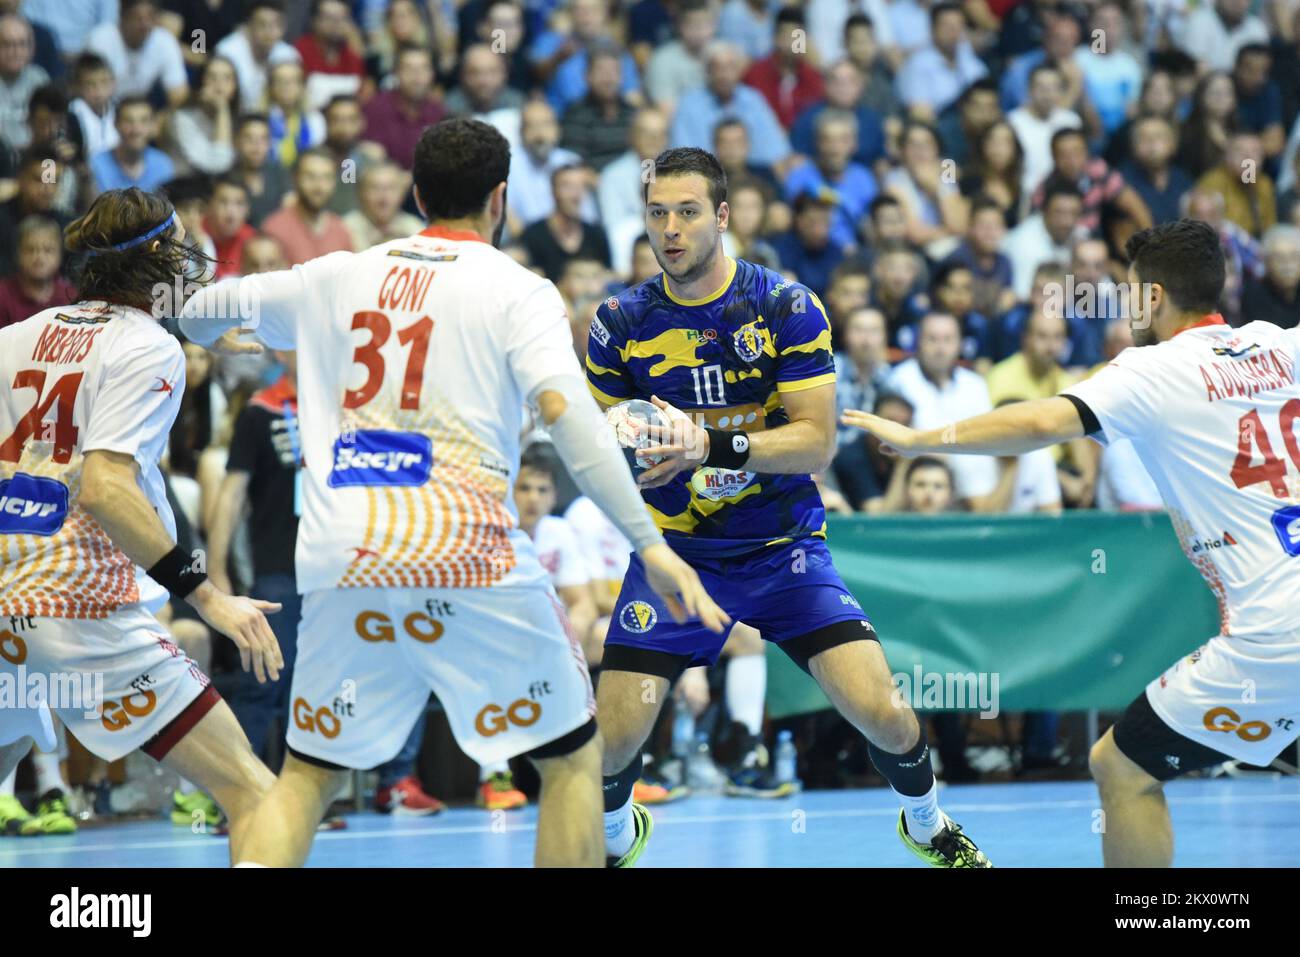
(629, 420)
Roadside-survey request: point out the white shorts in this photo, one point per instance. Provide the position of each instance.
(1237, 695)
(502, 661)
(117, 683)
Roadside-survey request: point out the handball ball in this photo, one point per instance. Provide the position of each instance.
(624, 417)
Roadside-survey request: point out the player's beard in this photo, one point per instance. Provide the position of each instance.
(500, 227)
(694, 270)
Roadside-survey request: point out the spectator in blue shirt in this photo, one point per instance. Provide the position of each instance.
(934, 77)
(1152, 173)
(834, 176)
(844, 88)
(980, 252)
(952, 291)
(723, 95)
(561, 61)
(807, 249)
(1259, 101)
(962, 125)
(1060, 40)
(133, 162)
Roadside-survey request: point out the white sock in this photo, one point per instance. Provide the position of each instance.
(746, 689)
(620, 830)
(187, 786)
(249, 864)
(486, 771)
(922, 815)
(7, 785)
(48, 774)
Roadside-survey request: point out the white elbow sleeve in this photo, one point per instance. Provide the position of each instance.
(587, 446)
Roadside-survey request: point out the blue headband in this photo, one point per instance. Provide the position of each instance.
(162, 227)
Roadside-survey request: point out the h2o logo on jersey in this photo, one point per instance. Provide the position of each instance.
(375, 626)
(381, 457)
(321, 720)
(1225, 720)
(1286, 523)
(493, 720)
(116, 715)
(32, 505)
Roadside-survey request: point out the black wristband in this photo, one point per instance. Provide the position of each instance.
(175, 572)
(728, 449)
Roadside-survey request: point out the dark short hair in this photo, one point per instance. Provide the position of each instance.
(276, 6)
(880, 202)
(50, 97)
(858, 20)
(929, 462)
(1044, 67)
(127, 102)
(1068, 132)
(338, 99)
(897, 398)
(1057, 185)
(945, 271)
(88, 63)
(541, 457)
(1252, 49)
(983, 203)
(792, 16)
(685, 160)
(36, 155)
(984, 85)
(565, 168)
(727, 122)
(458, 162)
(1185, 257)
(231, 181)
(945, 6)
(191, 188)
(316, 152)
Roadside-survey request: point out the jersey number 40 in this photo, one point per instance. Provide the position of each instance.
(1252, 435)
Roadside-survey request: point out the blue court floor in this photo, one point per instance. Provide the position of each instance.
(1221, 823)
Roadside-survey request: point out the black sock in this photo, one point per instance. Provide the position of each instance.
(618, 788)
(909, 773)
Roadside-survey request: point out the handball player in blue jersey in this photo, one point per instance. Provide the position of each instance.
(740, 362)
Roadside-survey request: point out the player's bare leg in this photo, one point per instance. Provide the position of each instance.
(569, 831)
(217, 757)
(286, 820)
(1137, 831)
(627, 705)
(856, 678)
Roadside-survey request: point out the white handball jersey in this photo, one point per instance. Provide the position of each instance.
(606, 549)
(414, 358)
(1213, 415)
(558, 551)
(77, 379)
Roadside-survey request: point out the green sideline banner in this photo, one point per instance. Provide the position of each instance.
(1065, 613)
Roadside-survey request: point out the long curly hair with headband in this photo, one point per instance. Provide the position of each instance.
(119, 266)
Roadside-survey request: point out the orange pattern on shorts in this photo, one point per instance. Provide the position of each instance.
(451, 532)
(75, 573)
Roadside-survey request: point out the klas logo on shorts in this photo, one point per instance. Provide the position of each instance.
(381, 457)
(637, 617)
(31, 505)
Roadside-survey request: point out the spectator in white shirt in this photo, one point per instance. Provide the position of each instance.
(93, 85)
(529, 185)
(1215, 33)
(941, 393)
(202, 133)
(257, 46)
(1035, 122)
(141, 54)
(19, 79)
(678, 66)
(1049, 234)
(621, 190)
(933, 78)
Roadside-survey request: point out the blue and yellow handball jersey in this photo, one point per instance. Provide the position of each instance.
(727, 358)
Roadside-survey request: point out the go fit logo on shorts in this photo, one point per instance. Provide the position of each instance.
(492, 720)
(117, 715)
(1225, 720)
(321, 719)
(376, 626)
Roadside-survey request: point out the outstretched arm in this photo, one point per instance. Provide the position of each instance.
(1010, 430)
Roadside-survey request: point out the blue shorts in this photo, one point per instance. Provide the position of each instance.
(786, 591)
